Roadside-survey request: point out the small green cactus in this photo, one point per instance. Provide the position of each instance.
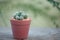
(25, 16)
(20, 16)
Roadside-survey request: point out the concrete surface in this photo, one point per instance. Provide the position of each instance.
(34, 34)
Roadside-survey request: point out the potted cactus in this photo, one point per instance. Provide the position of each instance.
(20, 25)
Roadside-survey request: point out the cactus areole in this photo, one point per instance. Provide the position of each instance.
(20, 25)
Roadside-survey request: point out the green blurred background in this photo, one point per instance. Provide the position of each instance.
(43, 14)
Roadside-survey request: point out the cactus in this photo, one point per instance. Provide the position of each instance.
(20, 16)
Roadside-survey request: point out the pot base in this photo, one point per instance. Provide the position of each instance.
(21, 38)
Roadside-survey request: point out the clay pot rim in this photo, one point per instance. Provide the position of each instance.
(28, 19)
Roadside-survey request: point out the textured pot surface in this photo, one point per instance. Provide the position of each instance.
(20, 28)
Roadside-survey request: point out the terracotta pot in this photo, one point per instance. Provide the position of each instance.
(20, 28)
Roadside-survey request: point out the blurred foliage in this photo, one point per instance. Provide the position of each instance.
(8, 5)
(55, 4)
(3, 5)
